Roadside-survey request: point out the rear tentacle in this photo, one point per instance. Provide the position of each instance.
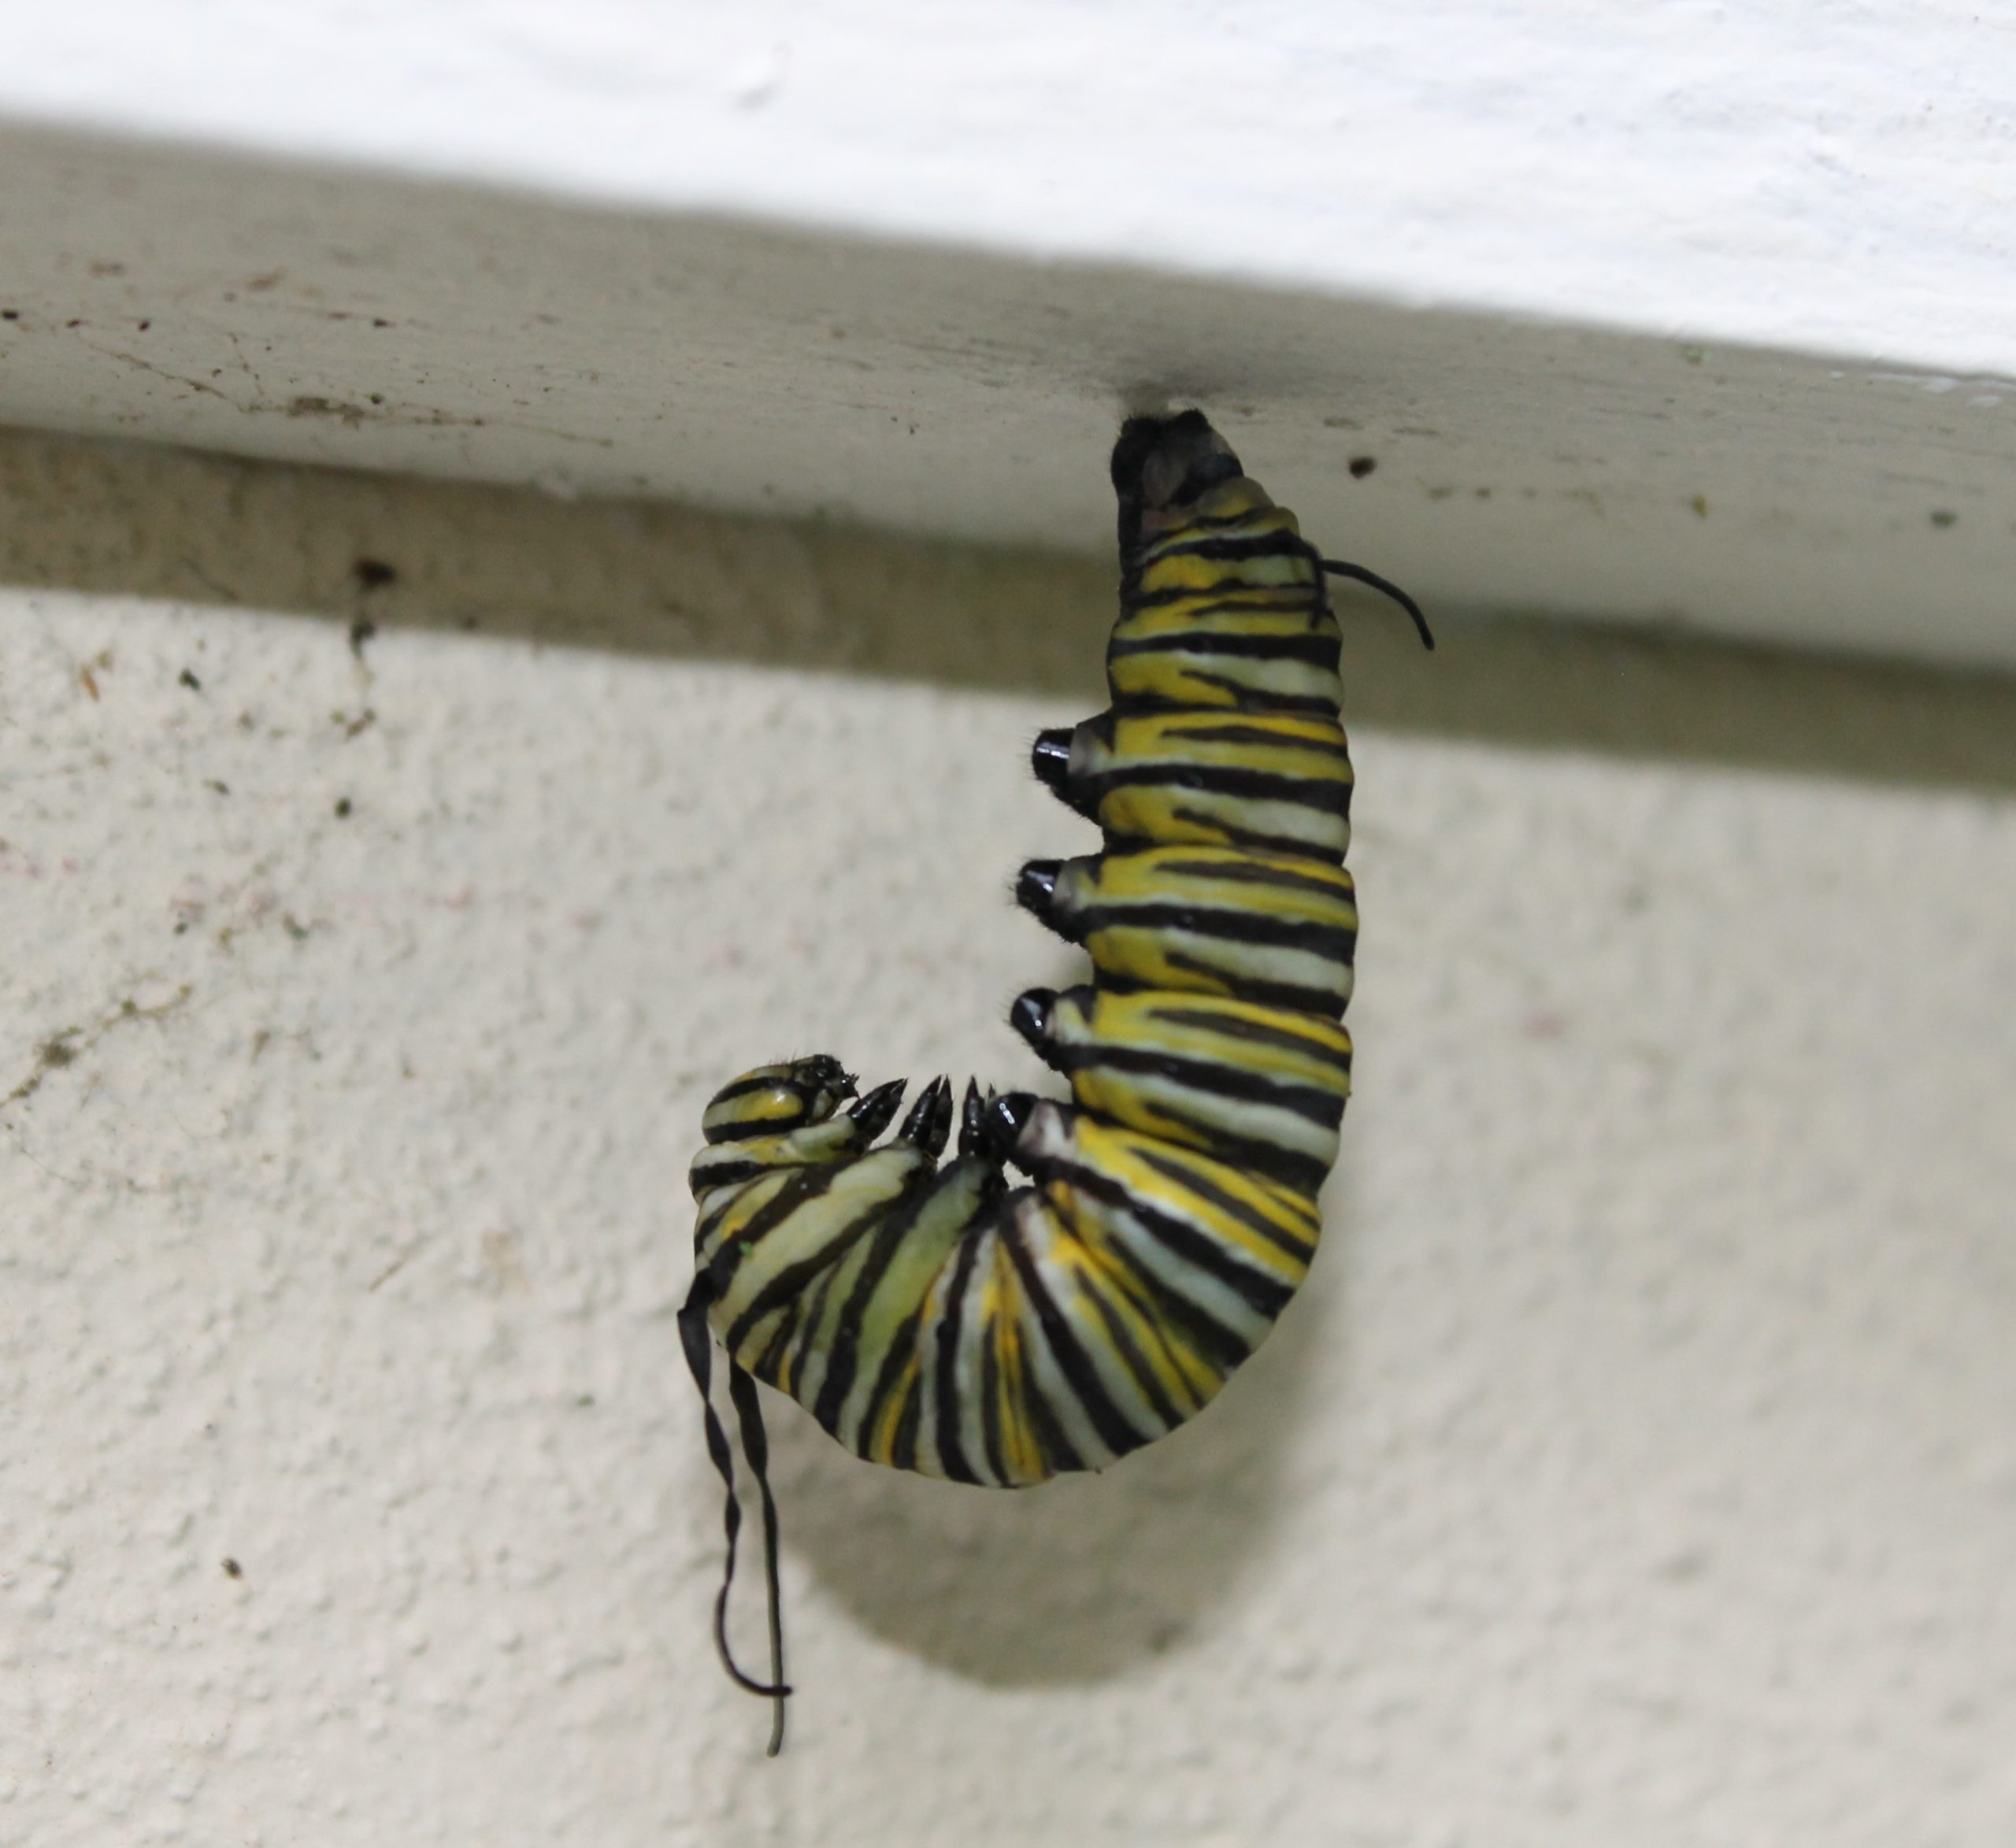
(697, 1339)
(756, 1447)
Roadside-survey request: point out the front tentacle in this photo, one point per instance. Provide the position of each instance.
(698, 1341)
(756, 1447)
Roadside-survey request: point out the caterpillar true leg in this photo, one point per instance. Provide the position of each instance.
(938, 1319)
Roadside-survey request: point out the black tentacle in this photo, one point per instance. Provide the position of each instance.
(756, 1447)
(1386, 587)
(697, 1339)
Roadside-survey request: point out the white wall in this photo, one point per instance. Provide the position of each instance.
(1637, 1467)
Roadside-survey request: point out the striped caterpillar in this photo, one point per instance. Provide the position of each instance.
(937, 1318)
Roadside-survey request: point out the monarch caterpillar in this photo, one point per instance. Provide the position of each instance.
(936, 1318)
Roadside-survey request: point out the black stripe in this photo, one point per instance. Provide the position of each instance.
(1261, 737)
(844, 1362)
(1053, 1445)
(1222, 1348)
(789, 1281)
(765, 1364)
(1136, 1363)
(806, 1184)
(1282, 598)
(811, 1315)
(1286, 1166)
(1326, 795)
(1203, 522)
(1241, 837)
(726, 1174)
(1262, 992)
(1258, 1032)
(1200, 535)
(910, 1421)
(1314, 649)
(1246, 697)
(1264, 1294)
(990, 1401)
(743, 1086)
(743, 1132)
(951, 1457)
(1224, 551)
(1173, 1168)
(1145, 1304)
(1277, 544)
(1303, 1174)
(1213, 1077)
(1336, 941)
(1073, 1362)
(1248, 870)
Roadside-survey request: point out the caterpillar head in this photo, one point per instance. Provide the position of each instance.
(774, 1098)
(1161, 467)
(783, 1116)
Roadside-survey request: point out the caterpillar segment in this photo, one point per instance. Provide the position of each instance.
(1267, 928)
(947, 1318)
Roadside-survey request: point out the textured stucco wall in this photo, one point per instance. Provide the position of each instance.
(1639, 1466)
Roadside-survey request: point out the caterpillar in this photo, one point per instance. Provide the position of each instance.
(935, 1317)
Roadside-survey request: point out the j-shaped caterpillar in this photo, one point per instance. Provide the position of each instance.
(935, 1318)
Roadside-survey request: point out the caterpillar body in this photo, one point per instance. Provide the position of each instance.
(936, 1318)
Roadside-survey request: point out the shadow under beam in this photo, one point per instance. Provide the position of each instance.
(652, 579)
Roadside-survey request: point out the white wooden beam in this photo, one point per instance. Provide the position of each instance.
(1704, 317)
